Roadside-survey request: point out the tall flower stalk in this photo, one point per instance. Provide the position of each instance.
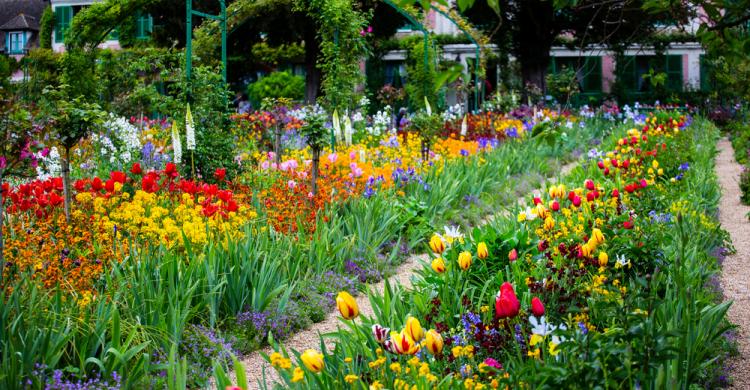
(190, 137)
(176, 144)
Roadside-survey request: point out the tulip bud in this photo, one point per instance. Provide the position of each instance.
(464, 260)
(598, 236)
(600, 164)
(313, 360)
(589, 185)
(626, 164)
(506, 302)
(542, 246)
(380, 333)
(606, 171)
(482, 251)
(414, 329)
(347, 305)
(644, 183)
(628, 224)
(549, 223)
(438, 265)
(615, 193)
(577, 201)
(537, 200)
(603, 258)
(555, 206)
(590, 197)
(437, 245)
(537, 308)
(513, 255)
(434, 342)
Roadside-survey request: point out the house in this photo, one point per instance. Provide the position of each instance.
(19, 25)
(65, 10)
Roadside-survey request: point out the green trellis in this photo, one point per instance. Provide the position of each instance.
(477, 53)
(222, 19)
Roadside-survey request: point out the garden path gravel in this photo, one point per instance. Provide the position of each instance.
(735, 280)
(259, 370)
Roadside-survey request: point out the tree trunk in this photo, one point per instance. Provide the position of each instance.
(314, 175)
(312, 76)
(66, 182)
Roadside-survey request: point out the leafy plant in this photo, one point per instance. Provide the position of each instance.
(277, 85)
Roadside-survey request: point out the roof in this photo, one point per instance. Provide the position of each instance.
(21, 22)
(11, 9)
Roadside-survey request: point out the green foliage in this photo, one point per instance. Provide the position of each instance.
(78, 77)
(563, 86)
(422, 75)
(341, 48)
(277, 85)
(44, 72)
(46, 26)
(275, 55)
(93, 24)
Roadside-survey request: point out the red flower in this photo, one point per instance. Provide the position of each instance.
(537, 200)
(555, 206)
(136, 169)
(109, 185)
(80, 185)
(576, 201)
(589, 185)
(118, 177)
(614, 162)
(630, 188)
(615, 193)
(590, 197)
(97, 184)
(644, 183)
(55, 199)
(628, 224)
(506, 303)
(170, 170)
(150, 182)
(600, 164)
(606, 171)
(537, 307)
(225, 195)
(220, 174)
(626, 164)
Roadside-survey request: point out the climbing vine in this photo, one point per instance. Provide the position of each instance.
(341, 32)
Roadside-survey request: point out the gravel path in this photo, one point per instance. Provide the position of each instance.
(256, 366)
(735, 278)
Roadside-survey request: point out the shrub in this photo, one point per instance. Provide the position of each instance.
(277, 85)
(745, 186)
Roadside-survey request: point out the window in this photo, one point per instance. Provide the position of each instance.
(588, 71)
(63, 16)
(144, 25)
(16, 42)
(633, 69)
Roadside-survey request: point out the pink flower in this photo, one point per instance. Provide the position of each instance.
(352, 155)
(333, 157)
(3, 162)
(310, 195)
(265, 165)
(291, 184)
(490, 362)
(356, 171)
(380, 333)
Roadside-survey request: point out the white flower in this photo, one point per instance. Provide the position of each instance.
(622, 261)
(176, 144)
(530, 214)
(452, 233)
(540, 326)
(189, 130)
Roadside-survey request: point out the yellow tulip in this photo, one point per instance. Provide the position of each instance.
(549, 223)
(313, 360)
(438, 265)
(437, 245)
(434, 342)
(347, 305)
(597, 236)
(541, 211)
(464, 260)
(482, 251)
(403, 343)
(603, 259)
(586, 250)
(414, 329)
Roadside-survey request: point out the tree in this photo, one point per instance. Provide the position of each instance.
(315, 132)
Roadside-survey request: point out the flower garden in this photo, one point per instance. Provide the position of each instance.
(380, 206)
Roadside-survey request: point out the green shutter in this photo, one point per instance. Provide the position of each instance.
(592, 74)
(674, 72)
(63, 16)
(706, 82)
(144, 25)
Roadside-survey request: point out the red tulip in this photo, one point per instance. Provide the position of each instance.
(628, 224)
(606, 171)
(589, 185)
(590, 197)
(537, 200)
(626, 164)
(220, 174)
(615, 193)
(537, 307)
(97, 184)
(136, 169)
(513, 255)
(644, 183)
(600, 164)
(506, 302)
(555, 206)
(614, 162)
(577, 201)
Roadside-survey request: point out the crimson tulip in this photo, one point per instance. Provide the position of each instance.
(506, 302)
